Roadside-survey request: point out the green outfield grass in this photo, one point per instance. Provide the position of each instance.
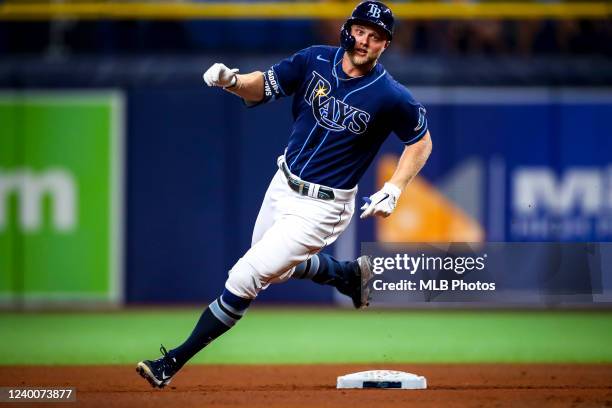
(274, 336)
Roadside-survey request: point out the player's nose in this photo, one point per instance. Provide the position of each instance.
(364, 41)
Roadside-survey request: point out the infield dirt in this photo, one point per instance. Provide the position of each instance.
(473, 385)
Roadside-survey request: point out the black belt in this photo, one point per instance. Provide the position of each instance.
(303, 187)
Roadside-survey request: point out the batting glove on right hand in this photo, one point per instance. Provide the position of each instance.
(381, 203)
(220, 75)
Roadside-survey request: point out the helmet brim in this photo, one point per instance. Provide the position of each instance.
(368, 23)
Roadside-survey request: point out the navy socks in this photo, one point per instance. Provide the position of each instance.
(222, 314)
(326, 270)
(216, 319)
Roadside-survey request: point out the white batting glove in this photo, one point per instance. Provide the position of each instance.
(381, 203)
(220, 75)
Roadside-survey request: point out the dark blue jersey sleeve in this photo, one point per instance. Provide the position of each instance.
(410, 120)
(289, 73)
(285, 77)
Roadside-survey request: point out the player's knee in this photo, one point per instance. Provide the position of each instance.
(284, 277)
(243, 280)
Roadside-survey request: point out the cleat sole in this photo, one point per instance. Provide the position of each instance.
(145, 372)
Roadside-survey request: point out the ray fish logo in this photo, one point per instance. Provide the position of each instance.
(331, 113)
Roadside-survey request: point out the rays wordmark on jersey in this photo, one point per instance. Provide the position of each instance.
(331, 113)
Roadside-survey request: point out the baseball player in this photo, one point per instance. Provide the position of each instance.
(345, 104)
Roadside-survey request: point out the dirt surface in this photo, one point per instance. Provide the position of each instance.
(314, 386)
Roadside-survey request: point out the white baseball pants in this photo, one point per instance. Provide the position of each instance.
(290, 228)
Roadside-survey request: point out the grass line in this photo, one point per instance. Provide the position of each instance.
(297, 336)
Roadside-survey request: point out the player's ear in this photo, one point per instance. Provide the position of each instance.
(387, 43)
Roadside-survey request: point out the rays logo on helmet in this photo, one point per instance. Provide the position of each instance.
(330, 113)
(374, 11)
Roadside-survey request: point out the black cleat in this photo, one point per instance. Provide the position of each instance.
(158, 372)
(361, 295)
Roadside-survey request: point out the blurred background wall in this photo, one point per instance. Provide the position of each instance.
(123, 179)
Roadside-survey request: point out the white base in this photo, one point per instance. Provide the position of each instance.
(387, 379)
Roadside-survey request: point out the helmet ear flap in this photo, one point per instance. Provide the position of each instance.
(347, 41)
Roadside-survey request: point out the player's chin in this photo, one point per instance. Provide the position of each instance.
(361, 59)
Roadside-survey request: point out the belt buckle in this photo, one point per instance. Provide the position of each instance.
(301, 188)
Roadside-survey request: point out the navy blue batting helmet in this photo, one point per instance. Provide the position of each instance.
(369, 12)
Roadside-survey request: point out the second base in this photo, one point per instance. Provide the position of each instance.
(388, 379)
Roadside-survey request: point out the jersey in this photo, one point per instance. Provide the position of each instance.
(339, 122)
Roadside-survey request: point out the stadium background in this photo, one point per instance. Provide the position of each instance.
(127, 188)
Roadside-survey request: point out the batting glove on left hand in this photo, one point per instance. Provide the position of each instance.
(220, 75)
(381, 203)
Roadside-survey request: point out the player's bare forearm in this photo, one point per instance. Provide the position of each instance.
(249, 87)
(411, 162)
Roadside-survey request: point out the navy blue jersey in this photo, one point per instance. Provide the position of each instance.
(340, 122)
